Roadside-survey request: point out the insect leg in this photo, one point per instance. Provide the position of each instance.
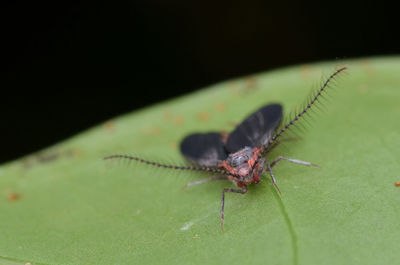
(201, 181)
(280, 158)
(242, 191)
(272, 175)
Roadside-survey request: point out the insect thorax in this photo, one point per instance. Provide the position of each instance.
(242, 162)
(240, 157)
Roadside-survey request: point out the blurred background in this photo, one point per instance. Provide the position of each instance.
(67, 66)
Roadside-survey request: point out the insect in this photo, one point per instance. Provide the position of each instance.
(241, 156)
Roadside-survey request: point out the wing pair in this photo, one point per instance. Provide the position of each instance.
(208, 149)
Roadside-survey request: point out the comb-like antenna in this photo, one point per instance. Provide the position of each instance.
(307, 107)
(156, 164)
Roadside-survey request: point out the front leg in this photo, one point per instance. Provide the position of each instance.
(269, 168)
(242, 191)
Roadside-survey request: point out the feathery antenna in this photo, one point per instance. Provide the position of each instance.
(308, 106)
(156, 164)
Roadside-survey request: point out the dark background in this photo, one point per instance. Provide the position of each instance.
(67, 66)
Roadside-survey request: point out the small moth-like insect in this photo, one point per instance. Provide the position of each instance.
(241, 156)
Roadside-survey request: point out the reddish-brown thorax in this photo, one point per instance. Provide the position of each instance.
(247, 170)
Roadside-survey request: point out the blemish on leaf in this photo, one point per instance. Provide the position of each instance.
(169, 117)
(13, 197)
(220, 107)
(397, 184)
(245, 87)
(189, 224)
(153, 131)
(179, 120)
(186, 226)
(305, 71)
(27, 163)
(234, 124)
(203, 116)
(250, 84)
(47, 157)
(109, 126)
(75, 152)
(173, 145)
(367, 67)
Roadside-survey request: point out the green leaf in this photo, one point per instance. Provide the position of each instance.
(65, 205)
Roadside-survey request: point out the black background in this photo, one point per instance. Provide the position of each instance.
(67, 66)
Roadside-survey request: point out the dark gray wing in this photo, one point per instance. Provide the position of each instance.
(205, 149)
(256, 129)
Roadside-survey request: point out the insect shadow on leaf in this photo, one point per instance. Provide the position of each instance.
(241, 156)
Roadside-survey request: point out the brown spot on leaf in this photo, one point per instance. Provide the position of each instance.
(156, 131)
(13, 197)
(179, 120)
(305, 71)
(234, 124)
(173, 145)
(153, 131)
(47, 156)
(397, 184)
(250, 84)
(109, 126)
(367, 67)
(27, 163)
(203, 116)
(220, 107)
(245, 87)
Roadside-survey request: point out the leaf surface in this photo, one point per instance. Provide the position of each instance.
(65, 205)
